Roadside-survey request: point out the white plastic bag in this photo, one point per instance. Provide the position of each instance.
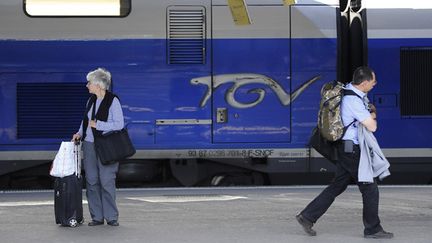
(67, 160)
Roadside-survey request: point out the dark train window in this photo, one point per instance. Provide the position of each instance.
(416, 81)
(77, 8)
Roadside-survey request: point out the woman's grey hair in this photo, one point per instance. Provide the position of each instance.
(101, 77)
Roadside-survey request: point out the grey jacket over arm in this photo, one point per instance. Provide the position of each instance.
(372, 160)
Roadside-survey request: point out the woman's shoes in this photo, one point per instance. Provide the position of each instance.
(94, 223)
(113, 223)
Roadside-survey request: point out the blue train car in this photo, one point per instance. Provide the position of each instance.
(205, 99)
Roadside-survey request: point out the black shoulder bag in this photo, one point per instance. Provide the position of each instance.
(113, 146)
(327, 149)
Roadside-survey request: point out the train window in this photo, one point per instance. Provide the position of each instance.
(186, 34)
(77, 8)
(415, 81)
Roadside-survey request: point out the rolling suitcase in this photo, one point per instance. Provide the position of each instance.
(68, 206)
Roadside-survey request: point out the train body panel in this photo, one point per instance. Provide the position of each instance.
(243, 96)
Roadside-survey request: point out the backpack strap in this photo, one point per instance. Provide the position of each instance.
(346, 127)
(349, 92)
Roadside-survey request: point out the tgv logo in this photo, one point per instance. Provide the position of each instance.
(241, 79)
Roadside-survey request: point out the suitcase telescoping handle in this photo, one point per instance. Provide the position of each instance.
(77, 157)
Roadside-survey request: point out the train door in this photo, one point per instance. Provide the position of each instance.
(251, 76)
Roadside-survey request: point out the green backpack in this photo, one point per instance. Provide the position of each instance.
(330, 127)
(330, 122)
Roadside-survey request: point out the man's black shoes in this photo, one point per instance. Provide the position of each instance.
(306, 224)
(380, 235)
(113, 223)
(94, 223)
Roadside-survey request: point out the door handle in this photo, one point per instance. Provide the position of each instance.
(221, 115)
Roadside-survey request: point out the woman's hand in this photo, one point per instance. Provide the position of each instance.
(76, 137)
(92, 123)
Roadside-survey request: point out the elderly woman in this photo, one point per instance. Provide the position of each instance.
(103, 114)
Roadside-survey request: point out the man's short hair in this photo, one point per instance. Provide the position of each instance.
(101, 77)
(362, 74)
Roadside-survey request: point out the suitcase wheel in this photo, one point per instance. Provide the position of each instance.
(73, 223)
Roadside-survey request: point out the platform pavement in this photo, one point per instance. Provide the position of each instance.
(259, 214)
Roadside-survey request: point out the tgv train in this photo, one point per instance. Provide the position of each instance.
(204, 98)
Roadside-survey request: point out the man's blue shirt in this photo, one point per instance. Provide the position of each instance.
(353, 108)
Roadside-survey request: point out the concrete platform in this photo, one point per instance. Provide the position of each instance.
(263, 214)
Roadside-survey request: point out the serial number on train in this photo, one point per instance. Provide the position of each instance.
(255, 153)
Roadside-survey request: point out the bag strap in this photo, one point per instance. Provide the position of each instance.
(350, 92)
(346, 128)
(85, 120)
(93, 110)
(92, 118)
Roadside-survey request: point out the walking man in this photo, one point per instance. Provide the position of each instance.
(352, 109)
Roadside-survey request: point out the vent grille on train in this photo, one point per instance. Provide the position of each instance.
(416, 81)
(186, 35)
(49, 110)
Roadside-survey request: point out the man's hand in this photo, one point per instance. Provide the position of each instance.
(372, 108)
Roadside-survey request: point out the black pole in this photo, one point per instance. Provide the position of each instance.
(351, 37)
(358, 36)
(343, 40)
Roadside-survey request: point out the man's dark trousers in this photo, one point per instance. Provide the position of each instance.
(346, 172)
